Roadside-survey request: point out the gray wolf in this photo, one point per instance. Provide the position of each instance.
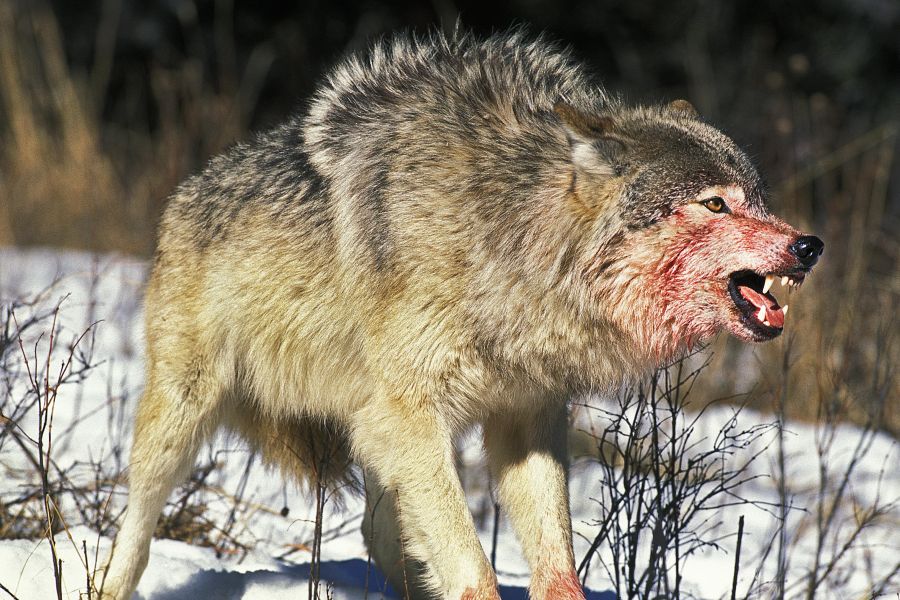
(454, 232)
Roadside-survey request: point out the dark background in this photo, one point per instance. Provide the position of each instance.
(733, 60)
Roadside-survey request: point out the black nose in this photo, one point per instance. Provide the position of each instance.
(807, 249)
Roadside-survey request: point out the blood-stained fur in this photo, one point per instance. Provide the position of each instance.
(455, 232)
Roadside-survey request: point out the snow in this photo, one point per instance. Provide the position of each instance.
(178, 570)
(91, 425)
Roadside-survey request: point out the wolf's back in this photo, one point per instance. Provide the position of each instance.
(428, 136)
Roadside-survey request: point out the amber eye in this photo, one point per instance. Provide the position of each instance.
(715, 204)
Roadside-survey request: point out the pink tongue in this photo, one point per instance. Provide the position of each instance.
(774, 314)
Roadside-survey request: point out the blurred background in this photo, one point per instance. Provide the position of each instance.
(105, 105)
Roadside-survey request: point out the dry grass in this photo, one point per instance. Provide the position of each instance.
(67, 177)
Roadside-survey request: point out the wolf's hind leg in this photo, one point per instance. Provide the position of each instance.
(169, 430)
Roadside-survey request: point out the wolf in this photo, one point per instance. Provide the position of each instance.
(454, 232)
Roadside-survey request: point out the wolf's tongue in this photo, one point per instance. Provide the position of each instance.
(769, 308)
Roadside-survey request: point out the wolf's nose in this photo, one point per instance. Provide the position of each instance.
(807, 249)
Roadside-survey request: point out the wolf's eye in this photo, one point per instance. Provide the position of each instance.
(715, 204)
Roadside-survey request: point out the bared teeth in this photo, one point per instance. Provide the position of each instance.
(761, 316)
(770, 279)
(784, 310)
(784, 280)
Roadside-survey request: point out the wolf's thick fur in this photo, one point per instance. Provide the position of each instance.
(456, 232)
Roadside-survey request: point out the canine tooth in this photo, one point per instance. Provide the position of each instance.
(784, 310)
(762, 314)
(784, 280)
(770, 279)
(766, 323)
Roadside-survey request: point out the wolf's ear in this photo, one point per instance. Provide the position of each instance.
(683, 108)
(582, 124)
(596, 146)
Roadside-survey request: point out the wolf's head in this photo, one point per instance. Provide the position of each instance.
(682, 244)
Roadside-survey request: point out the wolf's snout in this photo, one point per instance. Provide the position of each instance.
(807, 249)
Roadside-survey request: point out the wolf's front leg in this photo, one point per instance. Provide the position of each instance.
(409, 448)
(528, 457)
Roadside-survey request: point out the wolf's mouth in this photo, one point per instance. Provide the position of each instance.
(759, 309)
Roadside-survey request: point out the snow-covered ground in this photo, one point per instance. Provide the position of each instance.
(265, 553)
